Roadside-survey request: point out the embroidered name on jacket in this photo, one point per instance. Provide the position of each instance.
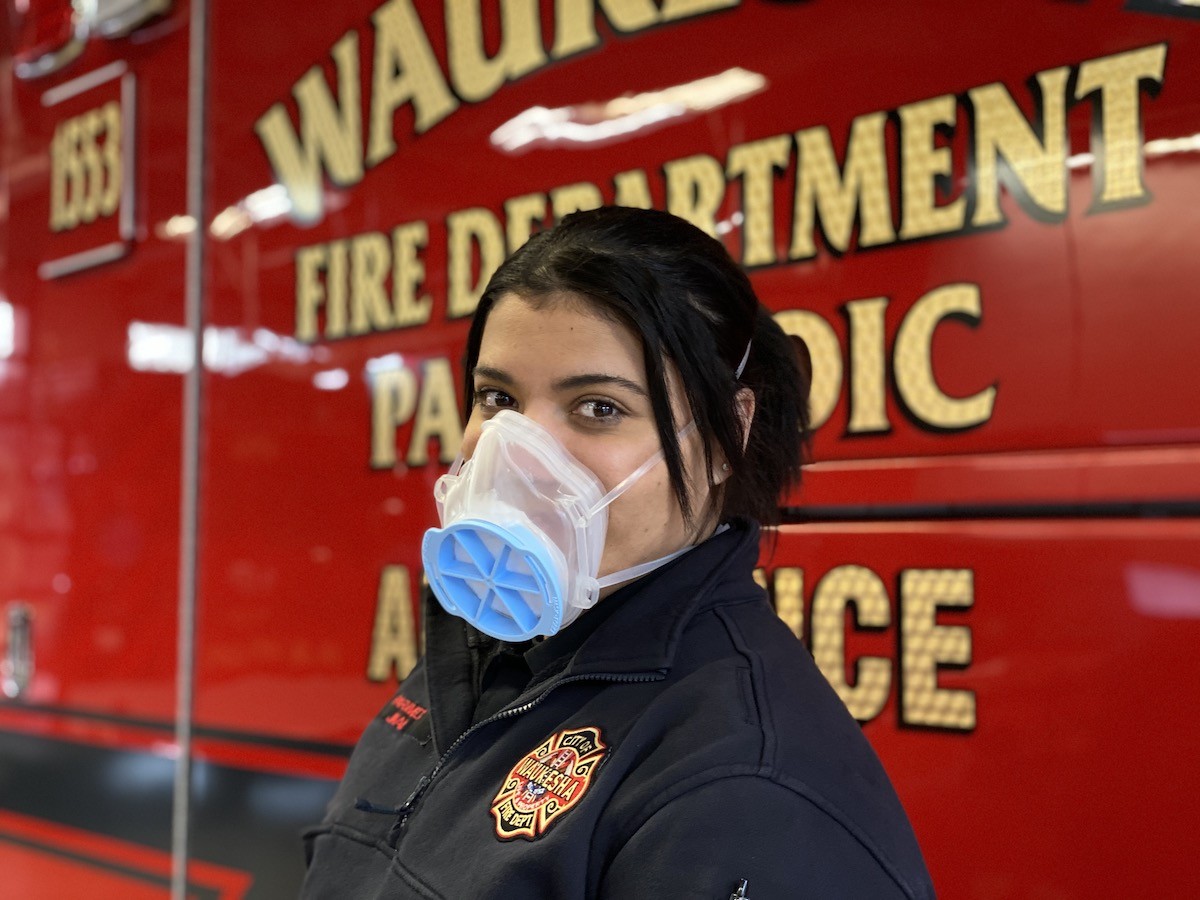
(403, 712)
(547, 782)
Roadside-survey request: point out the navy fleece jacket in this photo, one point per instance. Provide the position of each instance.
(688, 743)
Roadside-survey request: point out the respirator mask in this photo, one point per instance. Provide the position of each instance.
(523, 525)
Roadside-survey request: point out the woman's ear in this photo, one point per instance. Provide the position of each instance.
(744, 408)
(744, 403)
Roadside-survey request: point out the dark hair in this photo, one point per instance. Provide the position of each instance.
(679, 290)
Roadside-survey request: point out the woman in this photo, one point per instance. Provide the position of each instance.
(608, 707)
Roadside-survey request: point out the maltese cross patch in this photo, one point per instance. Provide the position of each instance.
(547, 782)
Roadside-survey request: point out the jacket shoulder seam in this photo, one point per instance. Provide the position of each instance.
(766, 723)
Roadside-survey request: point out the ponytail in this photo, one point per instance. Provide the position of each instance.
(779, 372)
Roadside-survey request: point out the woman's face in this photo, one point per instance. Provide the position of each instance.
(581, 377)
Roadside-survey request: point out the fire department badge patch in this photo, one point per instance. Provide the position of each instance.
(547, 782)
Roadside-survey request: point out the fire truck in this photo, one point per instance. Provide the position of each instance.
(240, 244)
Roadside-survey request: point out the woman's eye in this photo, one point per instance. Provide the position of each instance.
(490, 398)
(599, 409)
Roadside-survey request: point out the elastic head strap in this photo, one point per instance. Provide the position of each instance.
(627, 482)
(641, 568)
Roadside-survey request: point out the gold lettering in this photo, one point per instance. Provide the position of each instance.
(110, 200)
(86, 167)
(923, 164)
(925, 646)
(394, 640)
(632, 189)
(628, 15)
(574, 27)
(913, 360)
(859, 189)
(1036, 168)
(868, 369)
(476, 77)
(330, 133)
(695, 189)
(437, 415)
(756, 164)
(337, 289)
(826, 354)
(405, 71)
(470, 230)
(393, 400)
(566, 200)
(93, 164)
(679, 9)
(60, 208)
(1118, 145)
(370, 306)
(74, 175)
(860, 588)
(310, 292)
(408, 275)
(76, 172)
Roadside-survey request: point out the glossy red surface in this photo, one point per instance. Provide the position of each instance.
(1077, 780)
(1141, 475)
(89, 527)
(1080, 624)
(1056, 335)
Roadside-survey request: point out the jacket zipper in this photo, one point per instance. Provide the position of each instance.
(406, 809)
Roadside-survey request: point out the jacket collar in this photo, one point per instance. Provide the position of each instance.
(642, 634)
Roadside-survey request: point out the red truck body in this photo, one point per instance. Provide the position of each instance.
(239, 248)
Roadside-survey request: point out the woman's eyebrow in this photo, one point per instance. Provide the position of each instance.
(591, 379)
(571, 382)
(492, 375)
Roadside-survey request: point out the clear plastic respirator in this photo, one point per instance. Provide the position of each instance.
(523, 526)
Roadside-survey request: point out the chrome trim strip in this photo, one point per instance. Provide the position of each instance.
(189, 507)
(85, 82)
(77, 262)
(127, 223)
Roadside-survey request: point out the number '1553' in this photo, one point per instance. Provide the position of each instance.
(85, 167)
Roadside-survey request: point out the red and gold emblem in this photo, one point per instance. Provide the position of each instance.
(547, 782)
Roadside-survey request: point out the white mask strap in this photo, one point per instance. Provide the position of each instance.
(642, 568)
(627, 482)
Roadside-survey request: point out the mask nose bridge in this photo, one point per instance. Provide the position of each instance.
(548, 426)
(549, 419)
(546, 416)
